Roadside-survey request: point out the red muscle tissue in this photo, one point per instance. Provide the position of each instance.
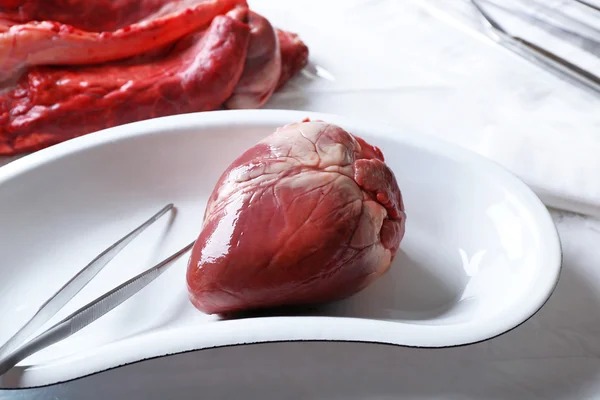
(63, 74)
(309, 215)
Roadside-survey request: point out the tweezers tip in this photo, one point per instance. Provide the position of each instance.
(165, 209)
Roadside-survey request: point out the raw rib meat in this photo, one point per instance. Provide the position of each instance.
(310, 214)
(53, 43)
(50, 105)
(262, 69)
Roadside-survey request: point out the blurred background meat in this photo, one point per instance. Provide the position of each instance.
(51, 105)
(98, 15)
(262, 69)
(55, 43)
(64, 76)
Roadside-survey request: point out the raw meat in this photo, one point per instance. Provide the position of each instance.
(54, 43)
(96, 15)
(235, 64)
(262, 69)
(50, 105)
(310, 214)
(294, 56)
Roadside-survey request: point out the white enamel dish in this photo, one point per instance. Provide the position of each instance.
(481, 254)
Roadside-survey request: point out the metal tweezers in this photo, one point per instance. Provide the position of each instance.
(17, 348)
(539, 54)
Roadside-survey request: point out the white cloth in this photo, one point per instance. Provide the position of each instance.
(426, 65)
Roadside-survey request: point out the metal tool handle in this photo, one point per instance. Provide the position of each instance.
(537, 53)
(559, 63)
(589, 5)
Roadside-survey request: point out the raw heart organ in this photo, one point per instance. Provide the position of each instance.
(310, 214)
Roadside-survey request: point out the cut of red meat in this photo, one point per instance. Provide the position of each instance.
(50, 105)
(310, 214)
(58, 82)
(262, 69)
(53, 43)
(95, 16)
(294, 56)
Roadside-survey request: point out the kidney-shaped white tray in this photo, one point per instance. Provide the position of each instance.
(481, 253)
